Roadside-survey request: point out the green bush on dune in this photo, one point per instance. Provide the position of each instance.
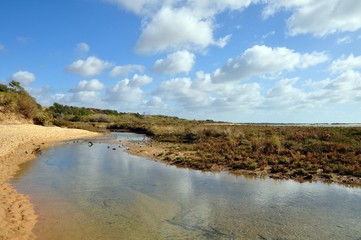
(14, 99)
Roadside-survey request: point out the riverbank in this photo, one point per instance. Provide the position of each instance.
(184, 156)
(18, 144)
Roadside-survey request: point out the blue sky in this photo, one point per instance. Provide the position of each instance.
(230, 60)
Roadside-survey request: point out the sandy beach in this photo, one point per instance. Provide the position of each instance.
(18, 144)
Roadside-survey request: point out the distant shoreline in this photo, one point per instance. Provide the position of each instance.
(288, 124)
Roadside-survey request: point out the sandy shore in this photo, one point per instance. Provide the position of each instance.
(18, 144)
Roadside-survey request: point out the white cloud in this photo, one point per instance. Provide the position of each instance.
(89, 86)
(23, 77)
(320, 18)
(349, 80)
(200, 7)
(285, 95)
(122, 92)
(171, 29)
(201, 93)
(128, 91)
(2, 47)
(59, 97)
(343, 64)
(156, 103)
(178, 62)
(171, 25)
(344, 40)
(136, 6)
(82, 48)
(118, 71)
(183, 92)
(260, 60)
(140, 80)
(90, 67)
(222, 42)
(210, 8)
(345, 88)
(88, 98)
(86, 93)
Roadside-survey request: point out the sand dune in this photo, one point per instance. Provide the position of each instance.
(18, 144)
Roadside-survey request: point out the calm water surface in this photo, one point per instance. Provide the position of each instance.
(83, 192)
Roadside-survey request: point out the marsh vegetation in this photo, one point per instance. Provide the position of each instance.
(300, 152)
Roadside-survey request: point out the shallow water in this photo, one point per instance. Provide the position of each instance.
(83, 192)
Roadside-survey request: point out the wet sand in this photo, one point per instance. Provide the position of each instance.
(18, 144)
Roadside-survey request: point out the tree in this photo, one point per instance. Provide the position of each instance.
(3, 88)
(16, 86)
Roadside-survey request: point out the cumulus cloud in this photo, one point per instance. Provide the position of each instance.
(202, 93)
(210, 8)
(89, 86)
(156, 103)
(170, 25)
(260, 60)
(172, 29)
(128, 91)
(118, 71)
(319, 18)
(23, 77)
(140, 80)
(181, 91)
(146, 7)
(82, 48)
(89, 67)
(285, 95)
(88, 98)
(343, 64)
(86, 93)
(345, 88)
(189, 95)
(178, 62)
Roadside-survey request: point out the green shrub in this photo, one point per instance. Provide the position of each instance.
(100, 118)
(15, 99)
(4, 88)
(252, 165)
(42, 118)
(300, 172)
(357, 173)
(61, 123)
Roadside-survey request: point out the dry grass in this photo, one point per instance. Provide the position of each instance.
(293, 152)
